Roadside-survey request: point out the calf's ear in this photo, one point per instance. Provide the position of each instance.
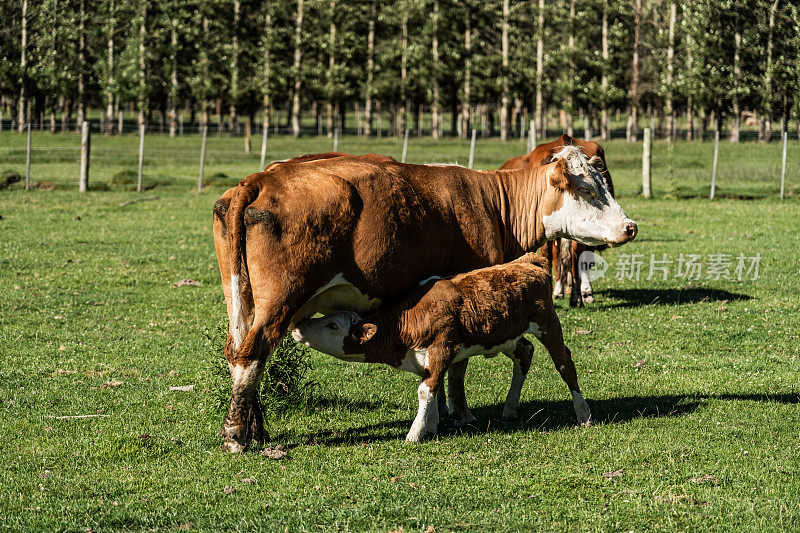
(363, 331)
(559, 176)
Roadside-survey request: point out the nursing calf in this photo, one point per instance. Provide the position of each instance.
(444, 321)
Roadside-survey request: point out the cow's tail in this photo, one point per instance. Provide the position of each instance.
(244, 196)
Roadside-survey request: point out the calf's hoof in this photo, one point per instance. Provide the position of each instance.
(414, 438)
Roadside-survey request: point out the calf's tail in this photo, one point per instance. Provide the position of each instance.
(244, 196)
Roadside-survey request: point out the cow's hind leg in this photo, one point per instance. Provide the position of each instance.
(552, 338)
(457, 396)
(244, 421)
(522, 355)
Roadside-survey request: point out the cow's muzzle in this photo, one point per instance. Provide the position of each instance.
(628, 232)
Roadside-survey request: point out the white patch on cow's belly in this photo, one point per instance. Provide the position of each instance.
(533, 329)
(337, 295)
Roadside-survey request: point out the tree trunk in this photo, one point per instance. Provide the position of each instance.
(505, 96)
(142, 67)
(204, 69)
(81, 66)
(569, 107)
(435, 105)
(604, 80)
(298, 56)
(769, 97)
(218, 112)
(108, 128)
(368, 89)
(233, 119)
(466, 94)
(689, 99)
(633, 109)
(403, 111)
(331, 66)
(668, 109)
(266, 102)
(539, 72)
(173, 86)
(23, 64)
(737, 107)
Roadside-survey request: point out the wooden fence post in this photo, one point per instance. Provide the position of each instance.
(714, 167)
(783, 163)
(336, 140)
(202, 158)
(119, 122)
(264, 135)
(646, 178)
(532, 136)
(28, 161)
(141, 158)
(86, 140)
(405, 147)
(472, 148)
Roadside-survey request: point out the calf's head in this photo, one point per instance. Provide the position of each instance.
(340, 334)
(579, 204)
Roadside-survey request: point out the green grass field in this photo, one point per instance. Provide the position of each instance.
(694, 383)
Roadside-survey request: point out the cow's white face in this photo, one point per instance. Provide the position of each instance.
(588, 212)
(328, 333)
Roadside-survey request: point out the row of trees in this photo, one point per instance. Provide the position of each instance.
(486, 63)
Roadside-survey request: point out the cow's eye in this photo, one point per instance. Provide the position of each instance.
(332, 325)
(587, 191)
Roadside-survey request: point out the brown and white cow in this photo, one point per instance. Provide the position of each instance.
(564, 254)
(483, 312)
(347, 233)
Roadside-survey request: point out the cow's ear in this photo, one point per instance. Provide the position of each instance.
(559, 176)
(363, 331)
(597, 162)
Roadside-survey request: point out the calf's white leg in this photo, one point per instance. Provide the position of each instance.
(420, 426)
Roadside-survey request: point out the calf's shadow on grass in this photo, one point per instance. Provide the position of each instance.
(641, 297)
(545, 416)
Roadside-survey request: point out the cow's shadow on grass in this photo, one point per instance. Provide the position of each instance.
(545, 416)
(640, 297)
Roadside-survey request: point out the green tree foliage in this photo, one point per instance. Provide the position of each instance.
(196, 53)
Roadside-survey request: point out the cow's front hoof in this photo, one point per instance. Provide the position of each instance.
(232, 446)
(509, 416)
(234, 440)
(465, 420)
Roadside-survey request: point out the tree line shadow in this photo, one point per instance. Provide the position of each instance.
(548, 416)
(640, 297)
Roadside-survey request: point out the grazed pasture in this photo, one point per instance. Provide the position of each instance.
(694, 383)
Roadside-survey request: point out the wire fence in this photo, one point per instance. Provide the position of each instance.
(680, 168)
